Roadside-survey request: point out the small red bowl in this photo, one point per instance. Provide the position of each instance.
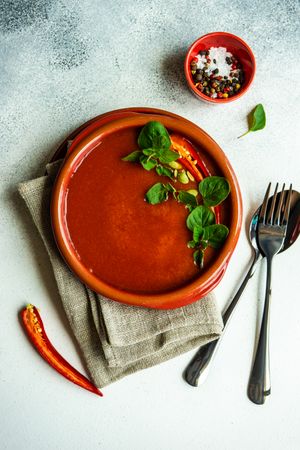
(234, 45)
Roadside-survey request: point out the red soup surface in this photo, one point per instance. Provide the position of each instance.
(117, 235)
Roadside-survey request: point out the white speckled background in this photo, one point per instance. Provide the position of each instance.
(63, 62)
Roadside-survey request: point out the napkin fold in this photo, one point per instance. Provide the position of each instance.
(115, 339)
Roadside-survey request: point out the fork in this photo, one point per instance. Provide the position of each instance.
(272, 226)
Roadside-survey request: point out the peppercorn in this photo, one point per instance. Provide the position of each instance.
(214, 85)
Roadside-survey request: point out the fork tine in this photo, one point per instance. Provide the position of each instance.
(271, 210)
(279, 206)
(287, 207)
(263, 210)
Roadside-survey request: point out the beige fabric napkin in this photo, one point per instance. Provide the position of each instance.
(117, 339)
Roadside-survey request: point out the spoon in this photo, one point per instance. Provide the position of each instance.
(197, 370)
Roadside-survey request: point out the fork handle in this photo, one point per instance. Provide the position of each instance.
(197, 370)
(260, 384)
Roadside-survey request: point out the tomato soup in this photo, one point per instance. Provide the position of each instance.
(116, 234)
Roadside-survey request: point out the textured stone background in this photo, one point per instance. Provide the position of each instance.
(63, 62)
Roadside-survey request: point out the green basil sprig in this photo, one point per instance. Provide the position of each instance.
(155, 149)
(257, 119)
(201, 221)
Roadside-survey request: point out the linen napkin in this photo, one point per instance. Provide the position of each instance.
(115, 339)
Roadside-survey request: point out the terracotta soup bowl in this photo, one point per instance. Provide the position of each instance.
(118, 244)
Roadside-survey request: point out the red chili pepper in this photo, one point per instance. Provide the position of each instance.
(189, 156)
(190, 168)
(35, 330)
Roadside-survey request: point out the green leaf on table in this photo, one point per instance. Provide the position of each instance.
(201, 216)
(147, 162)
(133, 157)
(158, 193)
(215, 235)
(257, 119)
(154, 135)
(214, 190)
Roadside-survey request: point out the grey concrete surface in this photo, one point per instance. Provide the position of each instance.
(63, 62)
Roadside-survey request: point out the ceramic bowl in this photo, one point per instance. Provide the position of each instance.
(199, 286)
(233, 44)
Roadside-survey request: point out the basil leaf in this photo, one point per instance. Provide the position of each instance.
(164, 171)
(192, 244)
(170, 188)
(215, 235)
(166, 156)
(187, 199)
(257, 119)
(201, 217)
(158, 193)
(214, 190)
(149, 151)
(154, 135)
(133, 157)
(198, 256)
(147, 163)
(197, 233)
(203, 244)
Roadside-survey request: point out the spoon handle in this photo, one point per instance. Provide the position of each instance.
(197, 370)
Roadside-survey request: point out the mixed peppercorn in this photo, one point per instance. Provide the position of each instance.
(209, 77)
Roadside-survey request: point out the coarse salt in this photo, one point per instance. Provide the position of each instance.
(219, 54)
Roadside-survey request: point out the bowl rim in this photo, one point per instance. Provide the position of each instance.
(165, 300)
(188, 76)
